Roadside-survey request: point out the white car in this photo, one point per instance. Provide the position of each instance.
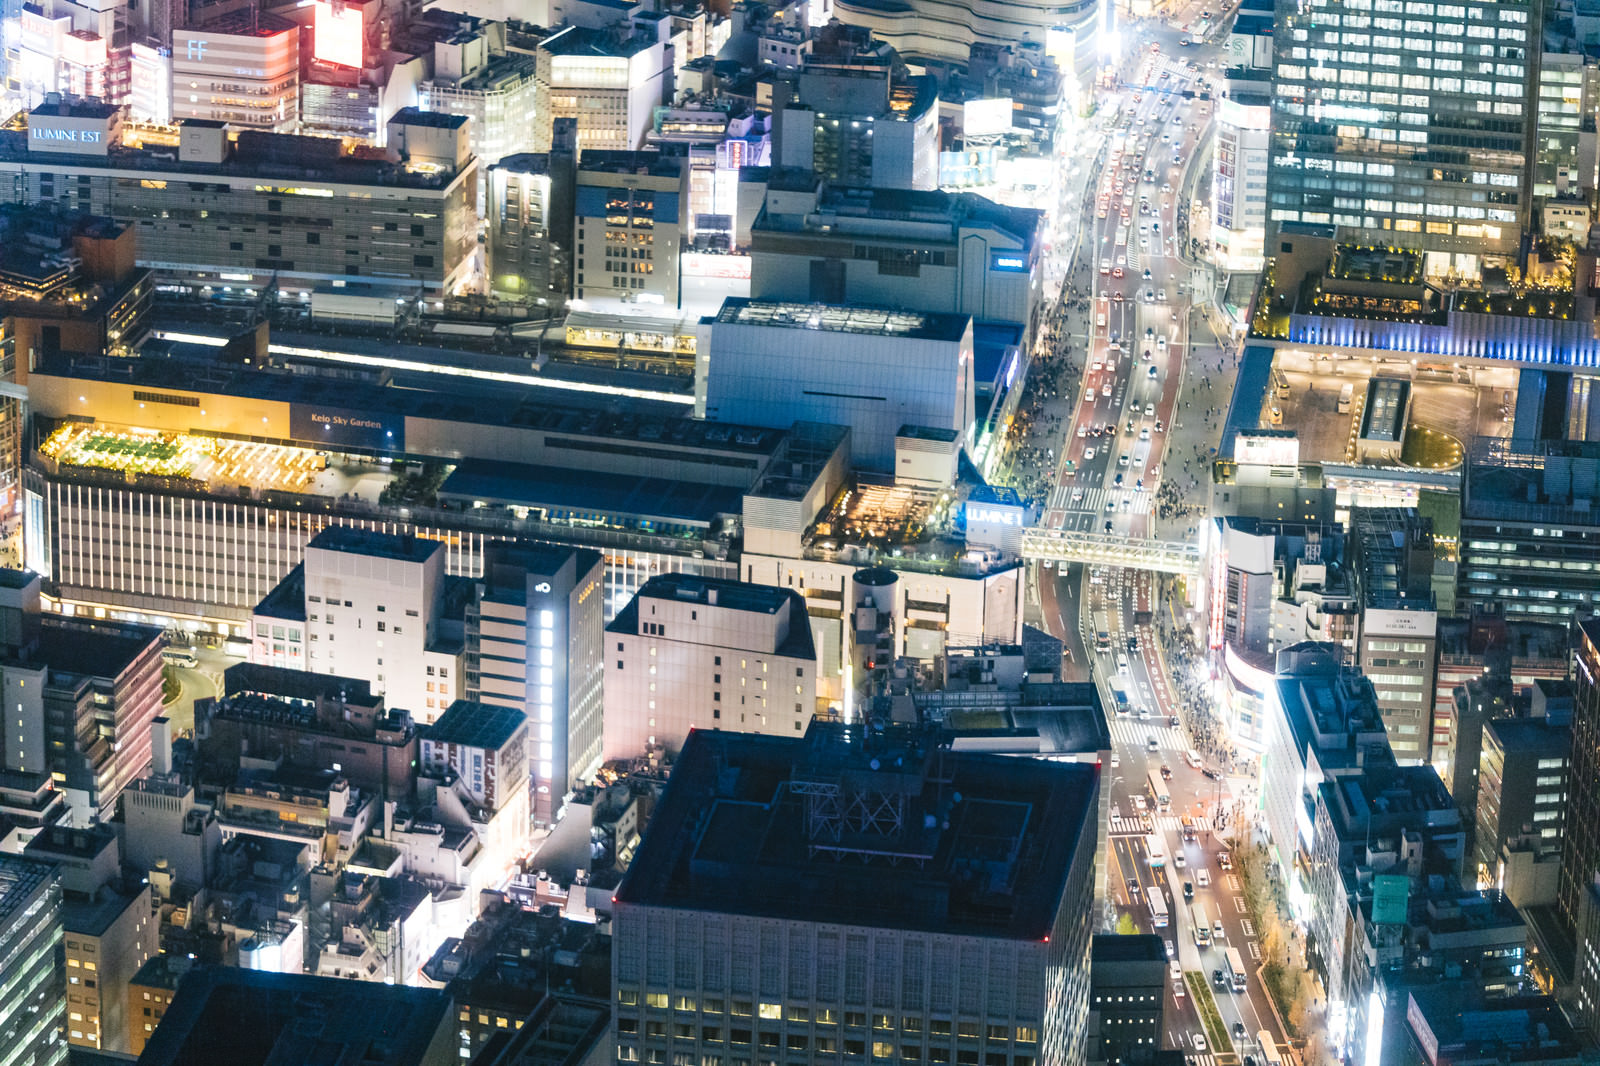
(1115, 762)
(1199, 1042)
(1149, 410)
(1178, 861)
(1144, 434)
(1202, 876)
(1175, 969)
(1088, 453)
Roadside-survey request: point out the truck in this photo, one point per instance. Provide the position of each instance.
(1119, 698)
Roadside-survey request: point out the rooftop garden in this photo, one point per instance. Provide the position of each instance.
(1365, 262)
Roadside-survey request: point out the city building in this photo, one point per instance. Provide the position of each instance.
(1441, 1026)
(1127, 988)
(375, 606)
(1478, 702)
(699, 653)
(85, 695)
(320, 723)
(1578, 894)
(1239, 172)
(1322, 723)
(150, 992)
(386, 1025)
(939, 30)
(242, 71)
(846, 118)
(1564, 152)
(1523, 788)
(62, 47)
(1392, 556)
(109, 931)
(34, 1017)
(868, 369)
(531, 215)
(608, 83)
(474, 76)
(409, 223)
(660, 491)
(487, 749)
(1531, 657)
(1395, 154)
(1524, 501)
(805, 852)
(535, 645)
(948, 253)
(629, 222)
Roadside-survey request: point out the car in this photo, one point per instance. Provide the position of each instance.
(1127, 502)
(1161, 343)
(1238, 1030)
(1199, 1042)
(1147, 274)
(1175, 968)
(1132, 644)
(1149, 294)
(1144, 434)
(1088, 453)
(1149, 410)
(1172, 720)
(1166, 186)
(1096, 366)
(1111, 505)
(1202, 876)
(1133, 884)
(1161, 296)
(1115, 761)
(1178, 861)
(1118, 481)
(1172, 950)
(1177, 990)
(1217, 932)
(1138, 803)
(1217, 978)
(1083, 430)
(1117, 273)
(1122, 460)
(1148, 354)
(1205, 15)
(1154, 372)
(1139, 484)
(1117, 296)
(1166, 772)
(1151, 743)
(1183, 42)
(1105, 390)
(1215, 775)
(1108, 527)
(1077, 495)
(1224, 861)
(1188, 890)
(1130, 425)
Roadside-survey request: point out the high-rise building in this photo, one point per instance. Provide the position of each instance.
(1127, 989)
(534, 643)
(819, 894)
(1578, 893)
(1522, 789)
(629, 216)
(1239, 172)
(1392, 558)
(530, 220)
(1405, 124)
(33, 1016)
(243, 70)
(693, 652)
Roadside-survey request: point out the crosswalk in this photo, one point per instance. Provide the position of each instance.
(1095, 499)
(1132, 731)
(1166, 823)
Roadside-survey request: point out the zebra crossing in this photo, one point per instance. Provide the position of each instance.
(1134, 732)
(1095, 499)
(1164, 823)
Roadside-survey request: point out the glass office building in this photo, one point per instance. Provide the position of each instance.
(1404, 122)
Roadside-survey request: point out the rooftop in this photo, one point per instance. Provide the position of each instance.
(832, 318)
(1532, 736)
(581, 42)
(847, 209)
(797, 643)
(976, 845)
(250, 24)
(93, 915)
(652, 500)
(293, 1018)
(1466, 1026)
(476, 725)
(20, 881)
(353, 540)
(1138, 947)
(93, 649)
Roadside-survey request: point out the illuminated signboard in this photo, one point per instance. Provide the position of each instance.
(986, 118)
(1011, 261)
(346, 428)
(338, 34)
(1219, 594)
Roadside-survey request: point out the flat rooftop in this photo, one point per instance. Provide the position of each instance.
(476, 725)
(93, 650)
(1538, 736)
(1137, 947)
(986, 845)
(352, 540)
(551, 488)
(20, 881)
(838, 318)
(294, 1018)
(737, 595)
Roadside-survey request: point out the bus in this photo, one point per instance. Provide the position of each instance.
(1235, 970)
(1158, 906)
(1269, 1049)
(1158, 791)
(1152, 850)
(1202, 928)
(1280, 384)
(1102, 631)
(180, 657)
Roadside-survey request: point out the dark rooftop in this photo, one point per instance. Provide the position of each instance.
(1138, 947)
(357, 541)
(293, 1018)
(582, 41)
(97, 649)
(287, 600)
(556, 488)
(475, 725)
(985, 844)
(439, 120)
(162, 971)
(295, 684)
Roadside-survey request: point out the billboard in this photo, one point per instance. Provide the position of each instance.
(338, 427)
(338, 34)
(1390, 893)
(986, 118)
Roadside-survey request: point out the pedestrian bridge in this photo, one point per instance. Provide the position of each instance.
(1109, 549)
